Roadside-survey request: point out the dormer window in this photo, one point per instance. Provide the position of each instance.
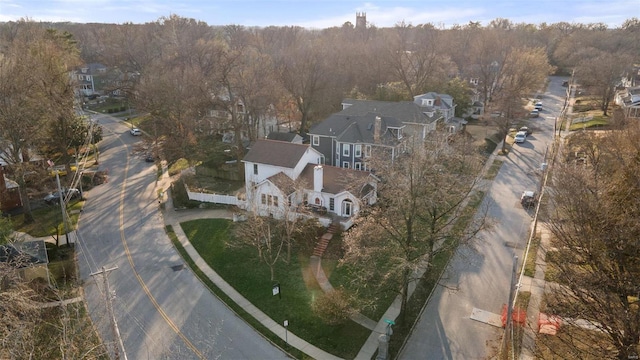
(397, 133)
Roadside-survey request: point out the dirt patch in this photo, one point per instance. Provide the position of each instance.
(479, 131)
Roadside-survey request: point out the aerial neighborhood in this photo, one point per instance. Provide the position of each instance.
(179, 190)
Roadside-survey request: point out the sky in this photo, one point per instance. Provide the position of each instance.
(320, 14)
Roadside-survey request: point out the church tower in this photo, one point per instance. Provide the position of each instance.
(361, 20)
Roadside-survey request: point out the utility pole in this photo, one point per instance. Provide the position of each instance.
(508, 328)
(61, 201)
(62, 207)
(117, 344)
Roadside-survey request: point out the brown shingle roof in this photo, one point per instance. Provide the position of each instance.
(336, 180)
(277, 153)
(284, 183)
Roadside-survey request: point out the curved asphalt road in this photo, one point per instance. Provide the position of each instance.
(162, 310)
(480, 277)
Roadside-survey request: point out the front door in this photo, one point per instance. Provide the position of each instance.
(346, 208)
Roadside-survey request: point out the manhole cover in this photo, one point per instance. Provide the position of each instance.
(177, 267)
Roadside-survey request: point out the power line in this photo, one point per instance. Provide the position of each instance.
(118, 345)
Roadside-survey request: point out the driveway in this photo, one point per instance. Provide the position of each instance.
(162, 310)
(479, 277)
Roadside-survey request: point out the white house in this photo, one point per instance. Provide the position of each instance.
(85, 78)
(285, 179)
(629, 100)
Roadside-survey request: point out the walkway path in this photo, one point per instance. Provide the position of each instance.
(174, 217)
(536, 286)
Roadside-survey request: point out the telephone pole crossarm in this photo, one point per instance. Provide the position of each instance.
(118, 345)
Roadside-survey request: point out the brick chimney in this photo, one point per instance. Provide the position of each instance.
(376, 129)
(318, 175)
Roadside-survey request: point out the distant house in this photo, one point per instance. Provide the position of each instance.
(86, 78)
(284, 179)
(29, 258)
(285, 136)
(10, 197)
(219, 120)
(363, 127)
(629, 100)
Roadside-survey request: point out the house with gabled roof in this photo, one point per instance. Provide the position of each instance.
(285, 136)
(629, 100)
(285, 180)
(349, 137)
(10, 197)
(29, 258)
(347, 141)
(86, 78)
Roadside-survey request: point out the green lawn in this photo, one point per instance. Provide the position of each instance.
(242, 269)
(595, 122)
(48, 219)
(530, 264)
(298, 288)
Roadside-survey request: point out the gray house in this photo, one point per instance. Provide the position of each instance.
(347, 141)
(348, 138)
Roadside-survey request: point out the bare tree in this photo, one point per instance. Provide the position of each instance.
(302, 72)
(261, 233)
(523, 72)
(596, 232)
(35, 89)
(415, 57)
(602, 73)
(421, 196)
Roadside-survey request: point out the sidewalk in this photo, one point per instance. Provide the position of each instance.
(536, 286)
(174, 217)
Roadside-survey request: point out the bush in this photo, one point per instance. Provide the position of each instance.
(177, 167)
(334, 307)
(181, 198)
(490, 144)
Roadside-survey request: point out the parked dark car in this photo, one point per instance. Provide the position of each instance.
(528, 199)
(54, 198)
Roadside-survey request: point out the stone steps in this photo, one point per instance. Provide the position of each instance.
(323, 242)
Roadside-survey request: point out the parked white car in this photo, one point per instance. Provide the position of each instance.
(521, 136)
(135, 132)
(538, 105)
